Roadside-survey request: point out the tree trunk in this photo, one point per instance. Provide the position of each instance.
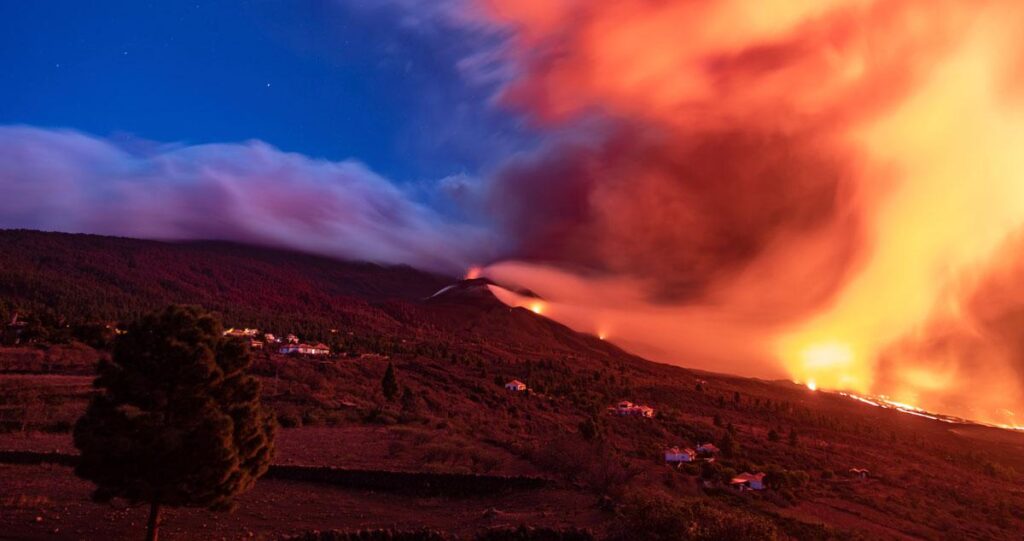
(152, 529)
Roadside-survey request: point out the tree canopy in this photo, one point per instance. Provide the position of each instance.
(177, 420)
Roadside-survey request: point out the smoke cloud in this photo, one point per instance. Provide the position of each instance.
(776, 188)
(250, 192)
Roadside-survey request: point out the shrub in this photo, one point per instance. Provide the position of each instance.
(649, 519)
(289, 419)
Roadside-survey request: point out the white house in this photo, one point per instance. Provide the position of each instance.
(304, 349)
(748, 481)
(861, 473)
(676, 455)
(515, 386)
(628, 408)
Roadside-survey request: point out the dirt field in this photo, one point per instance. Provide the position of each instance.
(49, 502)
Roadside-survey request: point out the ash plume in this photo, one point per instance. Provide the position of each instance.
(778, 188)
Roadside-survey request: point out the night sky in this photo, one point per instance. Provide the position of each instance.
(328, 79)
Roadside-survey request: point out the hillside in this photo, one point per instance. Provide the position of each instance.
(84, 278)
(453, 352)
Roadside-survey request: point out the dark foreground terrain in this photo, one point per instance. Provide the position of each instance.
(553, 457)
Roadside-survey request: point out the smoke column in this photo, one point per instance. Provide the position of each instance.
(825, 191)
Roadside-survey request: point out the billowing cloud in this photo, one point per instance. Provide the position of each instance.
(69, 181)
(777, 187)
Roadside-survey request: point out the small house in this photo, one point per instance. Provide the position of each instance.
(676, 455)
(241, 333)
(255, 344)
(304, 349)
(318, 349)
(860, 473)
(515, 386)
(707, 449)
(748, 481)
(292, 339)
(626, 407)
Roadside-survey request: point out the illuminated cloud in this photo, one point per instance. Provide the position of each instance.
(779, 187)
(69, 181)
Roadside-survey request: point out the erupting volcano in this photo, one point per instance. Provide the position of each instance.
(576, 270)
(828, 191)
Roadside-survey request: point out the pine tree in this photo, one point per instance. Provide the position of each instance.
(410, 403)
(389, 385)
(591, 428)
(728, 444)
(177, 421)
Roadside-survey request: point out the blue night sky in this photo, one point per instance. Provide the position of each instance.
(328, 79)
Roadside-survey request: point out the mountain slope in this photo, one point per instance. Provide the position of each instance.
(454, 350)
(92, 278)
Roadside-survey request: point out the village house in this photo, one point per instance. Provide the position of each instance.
(255, 344)
(291, 339)
(676, 455)
(270, 338)
(748, 481)
(860, 473)
(627, 408)
(241, 333)
(515, 386)
(707, 449)
(304, 349)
